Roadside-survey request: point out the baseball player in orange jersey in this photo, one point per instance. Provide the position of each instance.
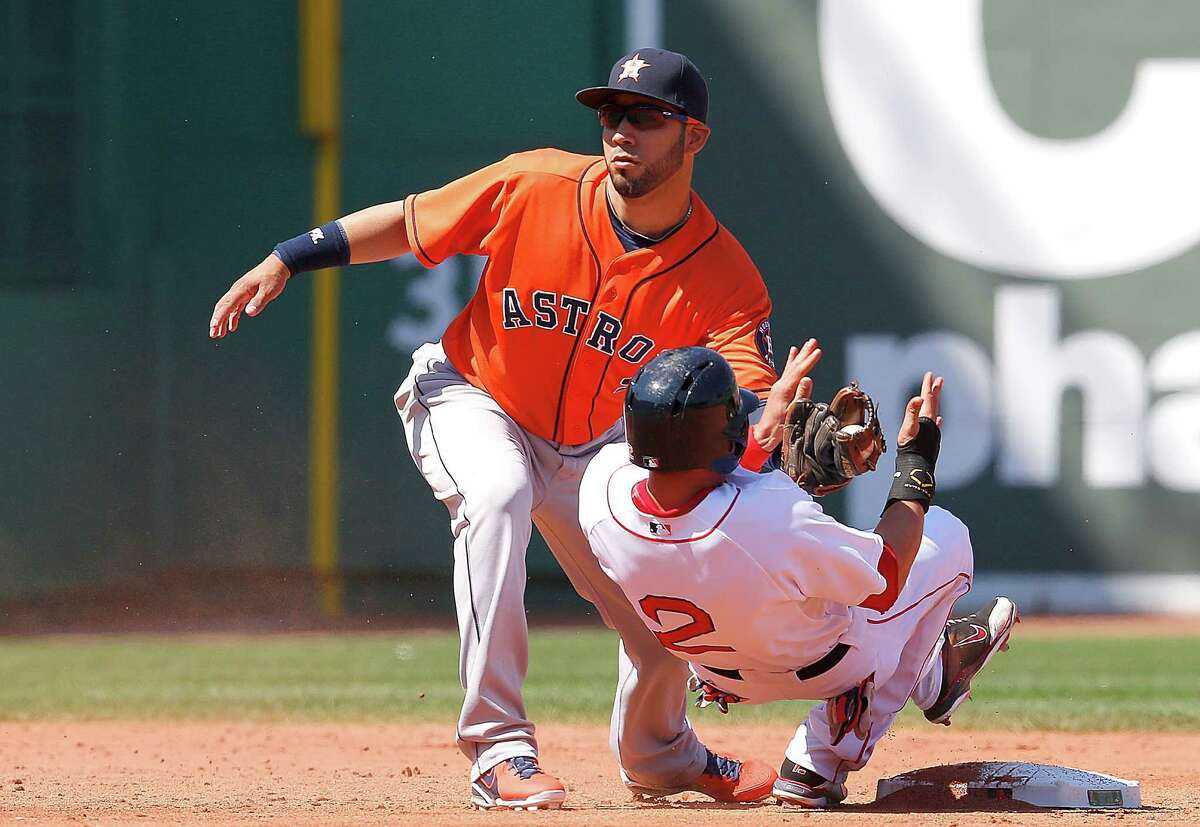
(594, 264)
(743, 576)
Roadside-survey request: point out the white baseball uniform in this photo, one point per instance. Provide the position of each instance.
(755, 583)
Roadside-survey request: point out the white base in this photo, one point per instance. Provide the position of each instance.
(1042, 785)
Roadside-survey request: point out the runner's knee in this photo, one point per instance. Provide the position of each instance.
(952, 536)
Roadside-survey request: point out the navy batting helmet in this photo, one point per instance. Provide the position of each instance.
(684, 410)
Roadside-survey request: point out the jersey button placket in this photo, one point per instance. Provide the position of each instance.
(610, 302)
(582, 378)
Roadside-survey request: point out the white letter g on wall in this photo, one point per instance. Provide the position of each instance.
(909, 93)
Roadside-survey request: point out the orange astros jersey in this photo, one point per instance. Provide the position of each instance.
(563, 316)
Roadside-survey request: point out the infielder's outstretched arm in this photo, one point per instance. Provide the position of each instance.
(374, 234)
(377, 233)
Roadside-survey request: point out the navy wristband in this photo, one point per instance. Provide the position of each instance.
(326, 246)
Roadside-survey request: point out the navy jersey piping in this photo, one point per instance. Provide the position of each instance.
(417, 234)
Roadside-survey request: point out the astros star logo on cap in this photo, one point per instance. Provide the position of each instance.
(631, 67)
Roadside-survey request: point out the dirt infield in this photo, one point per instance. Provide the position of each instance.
(206, 773)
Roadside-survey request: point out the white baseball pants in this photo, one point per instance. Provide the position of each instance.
(496, 479)
(902, 647)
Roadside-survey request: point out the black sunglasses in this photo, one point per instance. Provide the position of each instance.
(640, 116)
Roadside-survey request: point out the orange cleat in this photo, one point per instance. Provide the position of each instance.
(724, 779)
(517, 784)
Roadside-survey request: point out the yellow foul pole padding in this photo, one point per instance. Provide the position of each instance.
(320, 117)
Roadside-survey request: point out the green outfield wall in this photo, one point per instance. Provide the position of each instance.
(1000, 191)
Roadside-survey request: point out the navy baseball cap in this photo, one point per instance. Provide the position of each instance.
(666, 77)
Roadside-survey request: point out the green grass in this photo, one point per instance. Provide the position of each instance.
(1059, 683)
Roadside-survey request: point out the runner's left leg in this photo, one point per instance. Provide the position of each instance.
(906, 639)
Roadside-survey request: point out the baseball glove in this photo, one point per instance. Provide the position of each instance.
(825, 445)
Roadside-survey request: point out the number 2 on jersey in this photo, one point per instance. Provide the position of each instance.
(702, 623)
